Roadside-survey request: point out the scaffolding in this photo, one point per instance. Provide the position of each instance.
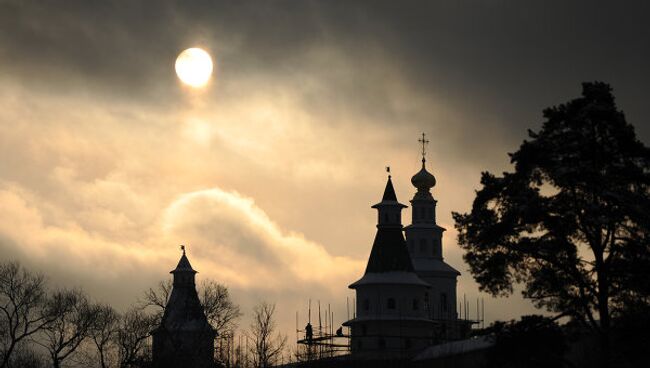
(322, 339)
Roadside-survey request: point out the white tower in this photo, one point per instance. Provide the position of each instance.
(391, 315)
(424, 239)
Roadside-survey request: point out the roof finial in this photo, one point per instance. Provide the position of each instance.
(424, 142)
(183, 249)
(388, 171)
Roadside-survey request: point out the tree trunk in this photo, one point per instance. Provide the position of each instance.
(101, 358)
(603, 312)
(7, 355)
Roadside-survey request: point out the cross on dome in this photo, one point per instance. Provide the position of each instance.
(424, 142)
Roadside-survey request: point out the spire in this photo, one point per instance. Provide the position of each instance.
(389, 252)
(183, 264)
(389, 192)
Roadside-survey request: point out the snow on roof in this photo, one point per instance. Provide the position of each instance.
(433, 265)
(383, 317)
(456, 347)
(386, 278)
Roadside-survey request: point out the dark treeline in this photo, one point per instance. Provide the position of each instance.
(41, 326)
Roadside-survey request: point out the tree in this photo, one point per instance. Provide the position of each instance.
(267, 345)
(104, 332)
(22, 296)
(572, 219)
(72, 317)
(222, 314)
(134, 329)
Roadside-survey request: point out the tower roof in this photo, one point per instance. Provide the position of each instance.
(183, 265)
(389, 192)
(389, 252)
(423, 180)
(389, 198)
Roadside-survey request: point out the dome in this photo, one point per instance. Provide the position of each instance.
(423, 180)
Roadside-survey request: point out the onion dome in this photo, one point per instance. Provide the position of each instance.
(423, 180)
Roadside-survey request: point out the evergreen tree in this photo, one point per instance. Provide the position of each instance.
(571, 222)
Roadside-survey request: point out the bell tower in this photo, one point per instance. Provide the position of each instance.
(424, 242)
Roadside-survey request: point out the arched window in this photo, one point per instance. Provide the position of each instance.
(390, 303)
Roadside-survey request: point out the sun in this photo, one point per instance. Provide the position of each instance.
(194, 67)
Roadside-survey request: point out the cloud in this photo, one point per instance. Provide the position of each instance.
(235, 240)
(229, 239)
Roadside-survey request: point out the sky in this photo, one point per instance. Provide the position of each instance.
(108, 162)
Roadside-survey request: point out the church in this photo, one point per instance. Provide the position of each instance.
(406, 299)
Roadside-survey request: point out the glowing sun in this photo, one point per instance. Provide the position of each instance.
(194, 67)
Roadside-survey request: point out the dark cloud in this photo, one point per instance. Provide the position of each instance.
(499, 62)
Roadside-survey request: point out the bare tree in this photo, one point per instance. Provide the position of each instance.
(104, 333)
(267, 345)
(22, 296)
(221, 311)
(158, 297)
(72, 318)
(134, 330)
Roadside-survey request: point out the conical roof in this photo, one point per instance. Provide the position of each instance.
(389, 252)
(389, 192)
(183, 265)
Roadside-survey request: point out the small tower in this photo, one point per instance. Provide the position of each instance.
(424, 239)
(184, 337)
(391, 317)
